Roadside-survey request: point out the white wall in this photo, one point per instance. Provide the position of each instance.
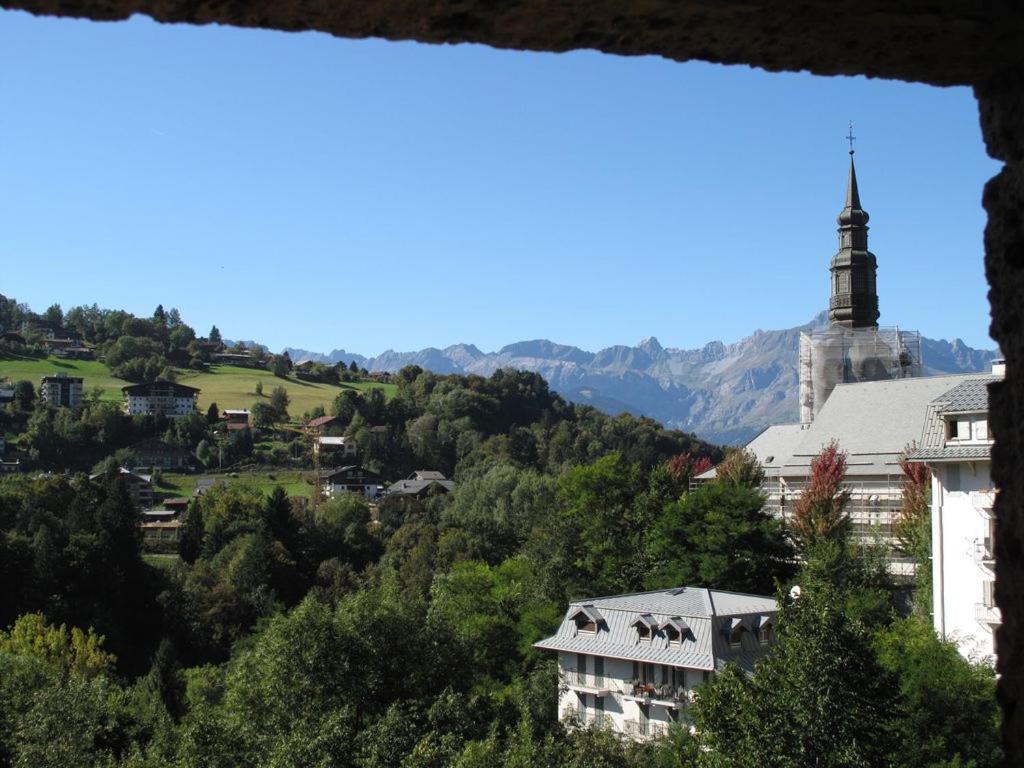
(621, 713)
(959, 527)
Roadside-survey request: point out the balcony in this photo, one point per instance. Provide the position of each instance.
(984, 554)
(588, 718)
(988, 614)
(664, 695)
(983, 501)
(598, 685)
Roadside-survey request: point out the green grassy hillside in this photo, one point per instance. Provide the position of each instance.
(227, 385)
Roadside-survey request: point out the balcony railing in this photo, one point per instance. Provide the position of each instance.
(588, 718)
(590, 683)
(984, 552)
(988, 614)
(666, 694)
(983, 500)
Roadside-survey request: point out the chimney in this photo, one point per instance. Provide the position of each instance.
(999, 367)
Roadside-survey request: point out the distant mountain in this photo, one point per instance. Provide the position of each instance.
(724, 393)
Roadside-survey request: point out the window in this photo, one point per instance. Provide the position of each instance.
(673, 634)
(764, 634)
(585, 624)
(643, 631)
(981, 429)
(736, 636)
(953, 478)
(952, 430)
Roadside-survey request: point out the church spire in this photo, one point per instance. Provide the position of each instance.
(854, 301)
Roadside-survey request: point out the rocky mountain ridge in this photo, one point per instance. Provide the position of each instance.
(724, 393)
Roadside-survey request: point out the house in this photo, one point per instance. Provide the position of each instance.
(243, 359)
(350, 479)
(330, 448)
(160, 454)
(421, 483)
(630, 663)
(9, 465)
(6, 391)
(322, 423)
(875, 422)
(140, 487)
(61, 390)
(160, 398)
(957, 447)
(160, 531)
(176, 506)
(237, 419)
(13, 338)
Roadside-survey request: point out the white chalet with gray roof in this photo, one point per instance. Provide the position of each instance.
(957, 447)
(630, 663)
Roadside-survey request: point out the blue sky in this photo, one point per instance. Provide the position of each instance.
(314, 192)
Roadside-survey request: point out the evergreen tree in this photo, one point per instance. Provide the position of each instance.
(819, 514)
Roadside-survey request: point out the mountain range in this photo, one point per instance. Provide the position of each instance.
(725, 393)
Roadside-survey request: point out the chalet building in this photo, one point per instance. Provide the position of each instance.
(237, 419)
(323, 423)
(160, 398)
(61, 390)
(161, 455)
(957, 447)
(6, 392)
(176, 506)
(630, 663)
(140, 487)
(9, 465)
(328, 449)
(420, 484)
(875, 423)
(160, 527)
(350, 479)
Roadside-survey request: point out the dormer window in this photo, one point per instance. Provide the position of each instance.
(587, 619)
(676, 630)
(646, 626)
(765, 630)
(734, 629)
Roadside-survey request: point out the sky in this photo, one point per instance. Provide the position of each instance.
(314, 192)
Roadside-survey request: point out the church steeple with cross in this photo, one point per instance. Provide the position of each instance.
(854, 300)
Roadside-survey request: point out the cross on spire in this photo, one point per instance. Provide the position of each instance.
(850, 137)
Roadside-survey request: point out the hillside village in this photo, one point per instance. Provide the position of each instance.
(581, 575)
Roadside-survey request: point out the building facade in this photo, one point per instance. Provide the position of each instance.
(350, 479)
(630, 663)
(160, 398)
(61, 390)
(958, 450)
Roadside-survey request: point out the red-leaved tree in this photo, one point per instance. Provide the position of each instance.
(819, 514)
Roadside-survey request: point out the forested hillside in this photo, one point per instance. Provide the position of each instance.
(284, 632)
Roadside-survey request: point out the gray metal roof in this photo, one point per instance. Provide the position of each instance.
(772, 447)
(969, 397)
(953, 453)
(702, 610)
(416, 486)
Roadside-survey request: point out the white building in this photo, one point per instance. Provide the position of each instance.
(630, 663)
(874, 423)
(61, 389)
(957, 448)
(160, 398)
(335, 447)
(350, 479)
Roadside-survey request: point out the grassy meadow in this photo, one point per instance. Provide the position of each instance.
(293, 481)
(229, 386)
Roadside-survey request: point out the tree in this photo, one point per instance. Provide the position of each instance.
(819, 513)
(952, 715)
(742, 468)
(353, 367)
(279, 401)
(819, 699)
(280, 365)
(212, 414)
(912, 529)
(259, 388)
(24, 395)
(67, 651)
(719, 536)
(215, 337)
(263, 415)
